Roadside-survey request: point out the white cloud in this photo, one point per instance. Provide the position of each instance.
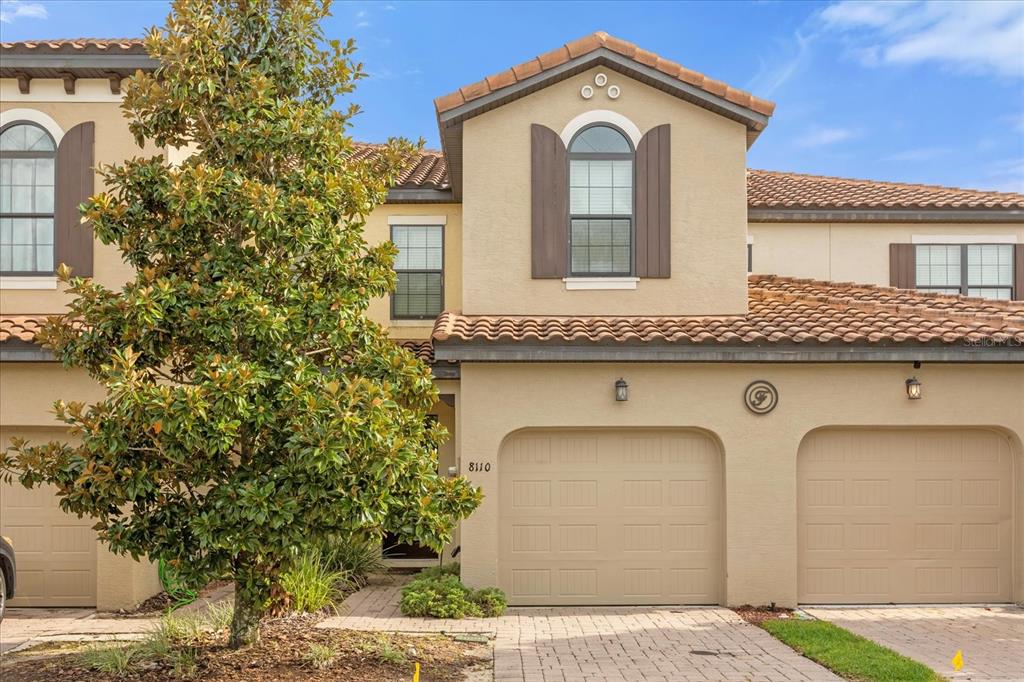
(362, 24)
(919, 154)
(977, 36)
(825, 136)
(11, 10)
(771, 78)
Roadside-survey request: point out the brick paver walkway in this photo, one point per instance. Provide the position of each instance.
(991, 638)
(603, 644)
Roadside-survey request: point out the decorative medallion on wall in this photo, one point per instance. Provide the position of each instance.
(761, 397)
(600, 80)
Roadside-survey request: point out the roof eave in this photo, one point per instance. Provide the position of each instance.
(39, 65)
(468, 351)
(883, 215)
(450, 121)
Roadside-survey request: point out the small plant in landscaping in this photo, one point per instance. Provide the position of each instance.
(439, 593)
(320, 656)
(358, 558)
(491, 600)
(115, 660)
(184, 663)
(383, 650)
(313, 584)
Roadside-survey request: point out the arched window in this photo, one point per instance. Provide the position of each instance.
(600, 202)
(27, 156)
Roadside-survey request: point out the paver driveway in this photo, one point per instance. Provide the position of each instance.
(595, 644)
(992, 638)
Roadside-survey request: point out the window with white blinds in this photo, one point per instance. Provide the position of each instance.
(980, 270)
(419, 293)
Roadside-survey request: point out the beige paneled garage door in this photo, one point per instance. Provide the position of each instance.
(909, 516)
(611, 517)
(56, 552)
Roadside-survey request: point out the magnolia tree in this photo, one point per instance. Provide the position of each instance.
(252, 409)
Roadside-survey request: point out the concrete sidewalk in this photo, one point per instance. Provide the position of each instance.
(22, 628)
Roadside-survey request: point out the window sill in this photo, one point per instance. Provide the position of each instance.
(600, 283)
(411, 322)
(45, 283)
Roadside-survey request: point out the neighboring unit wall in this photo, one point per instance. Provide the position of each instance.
(851, 252)
(760, 452)
(27, 393)
(114, 143)
(378, 230)
(708, 210)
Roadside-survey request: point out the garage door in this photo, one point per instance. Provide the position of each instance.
(56, 552)
(603, 517)
(910, 516)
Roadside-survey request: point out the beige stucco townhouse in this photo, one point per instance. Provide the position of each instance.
(649, 421)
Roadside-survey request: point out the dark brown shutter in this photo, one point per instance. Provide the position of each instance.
(1018, 272)
(73, 239)
(653, 198)
(901, 266)
(549, 189)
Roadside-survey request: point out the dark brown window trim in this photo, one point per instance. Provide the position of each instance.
(395, 316)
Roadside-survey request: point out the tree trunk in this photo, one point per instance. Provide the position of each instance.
(245, 622)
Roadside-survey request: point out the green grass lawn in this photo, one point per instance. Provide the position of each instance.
(847, 654)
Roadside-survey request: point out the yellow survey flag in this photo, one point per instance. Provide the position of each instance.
(958, 660)
(416, 673)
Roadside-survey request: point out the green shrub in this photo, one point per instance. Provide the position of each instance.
(438, 592)
(491, 600)
(313, 583)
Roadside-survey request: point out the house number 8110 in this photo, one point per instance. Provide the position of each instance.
(479, 466)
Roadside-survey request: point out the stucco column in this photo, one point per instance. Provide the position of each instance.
(761, 515)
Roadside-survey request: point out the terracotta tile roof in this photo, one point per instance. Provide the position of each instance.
(586, 45)
(782, 310)
(21, 327)
(421, 348)
(774, 189)
(428, 170)
(76, 46)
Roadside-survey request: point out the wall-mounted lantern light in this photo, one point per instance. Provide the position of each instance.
(913, 389)
(621, 390)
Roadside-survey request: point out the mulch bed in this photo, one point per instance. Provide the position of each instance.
(759, 614)
(280, 656)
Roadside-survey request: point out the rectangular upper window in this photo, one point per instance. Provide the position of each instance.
(981, 270)
(419, 294)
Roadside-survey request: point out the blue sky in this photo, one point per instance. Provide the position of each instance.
(910, 91)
